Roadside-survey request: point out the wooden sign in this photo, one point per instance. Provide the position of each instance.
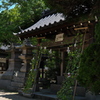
(59, 37)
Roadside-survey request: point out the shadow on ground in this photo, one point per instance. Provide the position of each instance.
(12, 96)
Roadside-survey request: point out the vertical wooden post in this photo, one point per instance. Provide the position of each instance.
(62, 63)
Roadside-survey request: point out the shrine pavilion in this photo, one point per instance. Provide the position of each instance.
(63, 36)
(60, 32)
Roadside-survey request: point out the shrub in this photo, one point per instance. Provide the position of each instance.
(89, 71)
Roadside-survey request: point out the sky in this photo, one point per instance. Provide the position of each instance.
(9, 7)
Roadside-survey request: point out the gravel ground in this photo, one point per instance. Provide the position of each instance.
(4, 95)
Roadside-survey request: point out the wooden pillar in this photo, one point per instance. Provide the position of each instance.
(62, 63)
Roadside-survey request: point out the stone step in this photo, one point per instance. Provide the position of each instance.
(15, 89)
(80, 91)
(46, 94)
(18, 79)
(16, 84)
(60, 79)
(4, 84)
(41, 96)
(80, 98)
(55, 87)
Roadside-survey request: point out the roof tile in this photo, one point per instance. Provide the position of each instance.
(46, 21)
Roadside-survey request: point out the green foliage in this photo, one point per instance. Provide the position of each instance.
(66, 91)
(33, 41)
(7, 25)
(53, 64)
(97, 31)
(32, 74)
(30, 79)
(72, 67)
(76, 10)
(4, 5)
(24, 14)
(89, 70)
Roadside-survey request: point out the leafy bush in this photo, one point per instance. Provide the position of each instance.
(89, 71)
(66, 91)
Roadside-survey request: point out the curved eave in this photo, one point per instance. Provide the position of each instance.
(43, 31)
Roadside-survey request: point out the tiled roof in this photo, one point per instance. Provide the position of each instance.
(3, 47)
(46, 21)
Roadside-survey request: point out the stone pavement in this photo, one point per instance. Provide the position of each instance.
(12, 96)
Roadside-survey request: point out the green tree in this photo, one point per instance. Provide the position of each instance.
(24, 14)
(8, 22)
(76, 8)
(89, 70)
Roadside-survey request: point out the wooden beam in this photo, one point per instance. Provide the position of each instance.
(40, 37)
(81, 28)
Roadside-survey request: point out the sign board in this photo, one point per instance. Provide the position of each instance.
(59, 37)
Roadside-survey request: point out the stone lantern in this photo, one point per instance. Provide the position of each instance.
(26, 57)
(14, 63)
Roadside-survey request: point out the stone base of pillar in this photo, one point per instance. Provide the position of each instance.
(14, 89)
(4, 84)
(14, 65)
(7, 75)
(17, 81)
(15, 86)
